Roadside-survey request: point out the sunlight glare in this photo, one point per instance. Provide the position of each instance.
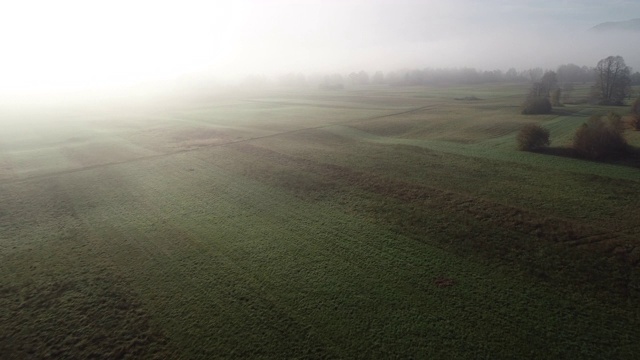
(68, 44)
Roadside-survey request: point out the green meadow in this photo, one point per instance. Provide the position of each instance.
(373, 222)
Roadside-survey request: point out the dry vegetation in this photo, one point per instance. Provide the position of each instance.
(532, 137)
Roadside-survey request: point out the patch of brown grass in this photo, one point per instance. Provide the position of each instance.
(443, 282)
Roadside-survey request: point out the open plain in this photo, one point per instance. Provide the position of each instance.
(373, 222)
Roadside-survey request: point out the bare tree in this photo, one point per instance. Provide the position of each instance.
(613, 80)
(538, 102)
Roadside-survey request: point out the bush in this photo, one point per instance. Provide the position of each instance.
(532, 137)
(539, 105)
(600, 137)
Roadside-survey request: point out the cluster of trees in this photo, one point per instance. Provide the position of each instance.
(613, 80)
(573, 74)
(454, 76)
(414, 77)
(600, 137)
(359, 78)
(566, 76)
(292, 80)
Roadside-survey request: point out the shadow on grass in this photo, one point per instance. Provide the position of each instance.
(630, 158)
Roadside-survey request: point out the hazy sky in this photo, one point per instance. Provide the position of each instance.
(76, 44)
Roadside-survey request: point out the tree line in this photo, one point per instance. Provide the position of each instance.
(613, 81)
(566, 76)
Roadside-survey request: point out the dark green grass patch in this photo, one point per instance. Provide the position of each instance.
(473, 224)
(529, 184)
(51, 308)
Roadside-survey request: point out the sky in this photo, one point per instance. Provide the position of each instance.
(70, 44)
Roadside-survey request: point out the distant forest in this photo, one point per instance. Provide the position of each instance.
(567, 74)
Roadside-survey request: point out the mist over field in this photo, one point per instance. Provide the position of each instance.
(319, 179)
(76, 46)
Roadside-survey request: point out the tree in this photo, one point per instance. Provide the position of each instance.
(292, 80)
(600, 137)
(534, 74)
(360, 78)
(572, 73)
(549, 81)
(635, 78)
(378, 77)
(537, 101)
(555, 97)
(363, 77)
(353, 76)
(613, 79)
(532, 137)
(536, 105)
(511, 74)
(635, 114)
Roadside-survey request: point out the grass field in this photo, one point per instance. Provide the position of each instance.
(376, 222)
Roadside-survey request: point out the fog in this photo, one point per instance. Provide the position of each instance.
(79, 46)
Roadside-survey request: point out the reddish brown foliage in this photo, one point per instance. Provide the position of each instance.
(600, 137)
(532, 137)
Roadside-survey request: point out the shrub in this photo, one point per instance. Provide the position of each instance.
(600, 137)
(538, 105)
(532, 137)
